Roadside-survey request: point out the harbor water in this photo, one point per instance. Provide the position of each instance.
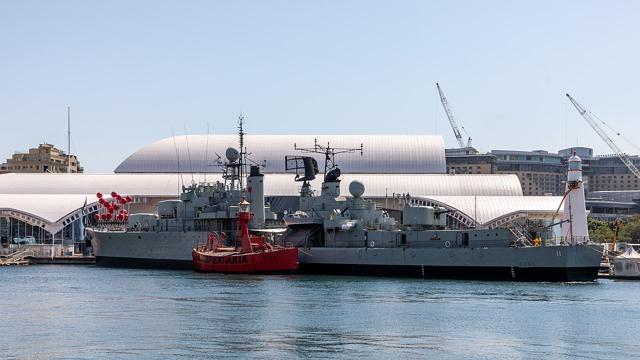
(88, 312)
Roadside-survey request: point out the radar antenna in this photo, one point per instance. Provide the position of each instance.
(329, 153)
(310, 165)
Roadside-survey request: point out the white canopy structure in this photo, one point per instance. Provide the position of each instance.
(383, 154)
(51, 212)
(377, 185)
(50, 201)
(494, 211)
(627, 264)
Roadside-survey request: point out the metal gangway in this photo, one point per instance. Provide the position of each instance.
(20, 257)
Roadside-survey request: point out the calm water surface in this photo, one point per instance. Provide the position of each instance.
(78, 312)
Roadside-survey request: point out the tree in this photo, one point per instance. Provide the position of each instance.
(601, 234)
(602, 231)
(631, 230)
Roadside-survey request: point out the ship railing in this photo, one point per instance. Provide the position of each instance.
(566, 240)
(45, 250)
(522, 235)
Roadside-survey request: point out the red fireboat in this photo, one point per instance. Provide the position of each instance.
(252, 254)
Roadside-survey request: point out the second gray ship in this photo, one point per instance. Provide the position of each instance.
(351, 236)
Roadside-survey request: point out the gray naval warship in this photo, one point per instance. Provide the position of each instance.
(352, 236)
(165, 239)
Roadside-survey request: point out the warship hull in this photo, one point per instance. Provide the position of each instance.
(163, 250)
(550, 263)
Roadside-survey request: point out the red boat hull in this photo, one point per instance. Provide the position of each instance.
(278, 260)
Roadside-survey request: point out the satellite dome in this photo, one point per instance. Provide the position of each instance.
(356, 188)
(232, 154)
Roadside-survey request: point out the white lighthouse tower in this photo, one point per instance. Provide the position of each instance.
(574, 226)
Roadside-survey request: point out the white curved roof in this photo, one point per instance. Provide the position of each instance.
(60, 183)
(45, 207)
(376, 185)
(383, 154)
(491, 211)
(49, 211)
(51, 200)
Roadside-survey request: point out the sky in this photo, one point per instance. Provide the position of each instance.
(133, 72)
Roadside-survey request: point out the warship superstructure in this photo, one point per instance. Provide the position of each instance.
(352, 236)
(166, 238)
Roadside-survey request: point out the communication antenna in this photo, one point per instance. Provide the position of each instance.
(233, 168)
(243, 150)
(69, 139)
(189, 154)
(329, 153)
(206, 153)
(175, 145)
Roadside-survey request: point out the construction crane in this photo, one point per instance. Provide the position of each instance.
(452, 120)
(468, 137)
(622, 156)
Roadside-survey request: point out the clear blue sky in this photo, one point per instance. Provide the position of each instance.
(133, 70)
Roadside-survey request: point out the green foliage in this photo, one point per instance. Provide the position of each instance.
(631, 230)
(601, 234)
(599, 231)
(602, 231)
(596, 224)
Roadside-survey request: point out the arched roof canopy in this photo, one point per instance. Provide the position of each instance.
(53, 200)
(495, 211)
(383, 154)
(51, 212)
(376, 185)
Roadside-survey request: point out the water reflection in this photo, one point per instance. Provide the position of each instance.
(89, 312)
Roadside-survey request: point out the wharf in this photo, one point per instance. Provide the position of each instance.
(64, 260)
(16, 258)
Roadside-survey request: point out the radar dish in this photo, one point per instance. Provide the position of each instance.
(356, 188)
(232, 154)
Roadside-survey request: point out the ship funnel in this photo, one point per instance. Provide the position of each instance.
(255, 192)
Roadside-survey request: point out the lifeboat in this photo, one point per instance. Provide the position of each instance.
(252, 254)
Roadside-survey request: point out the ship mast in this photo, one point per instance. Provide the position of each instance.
(69, 139)
(233, 169)
(243, 151)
